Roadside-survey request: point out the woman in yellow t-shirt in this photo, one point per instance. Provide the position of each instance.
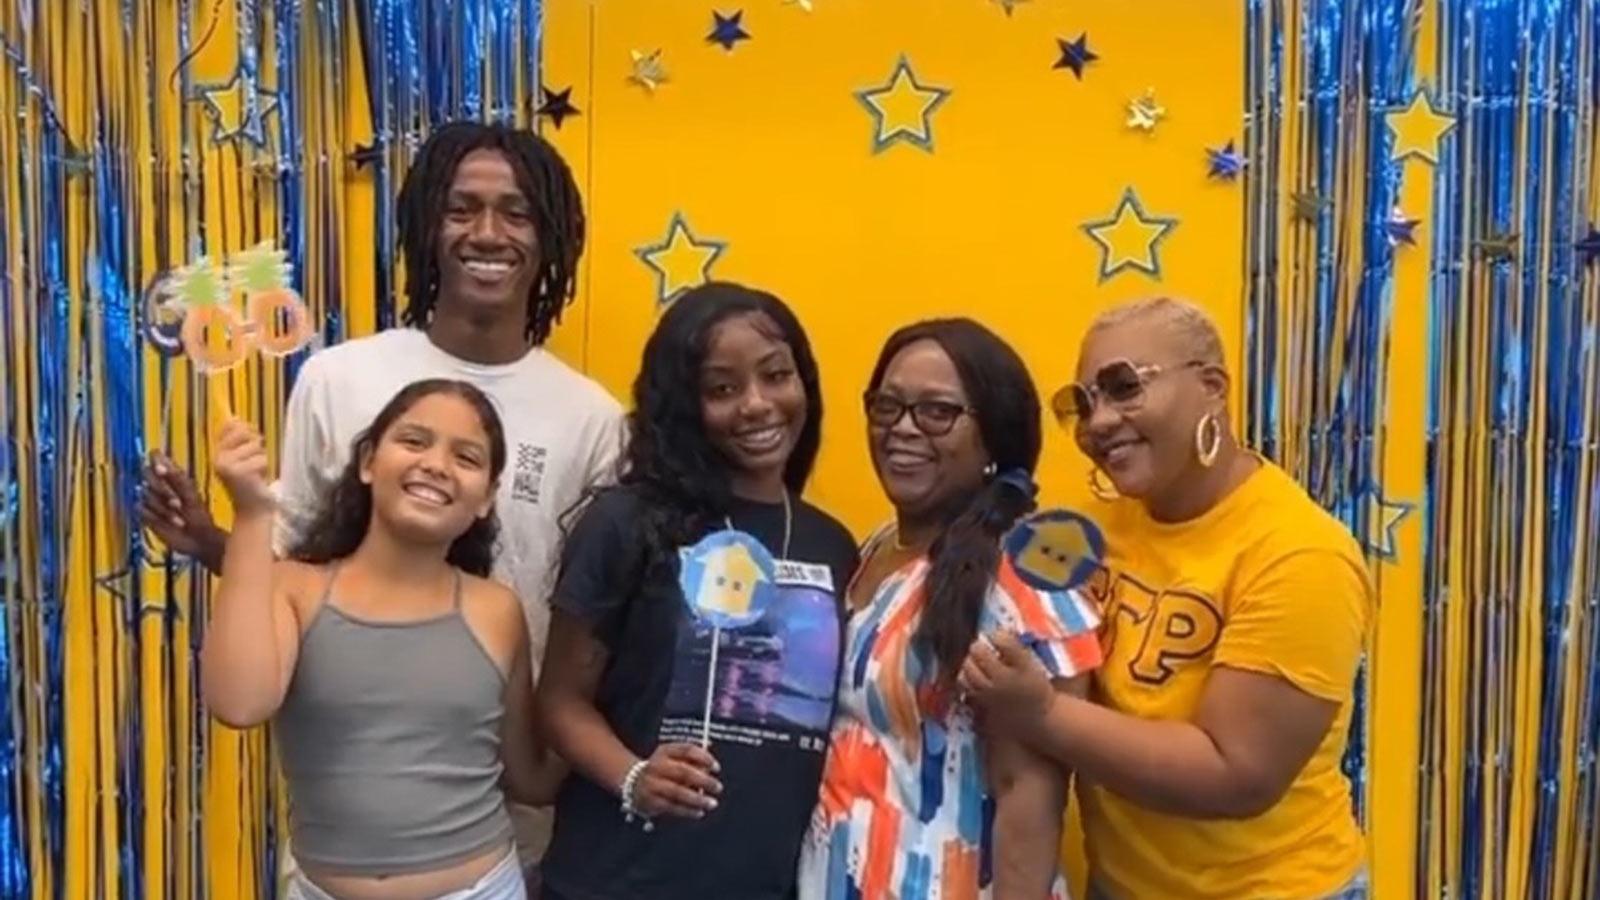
(1235, 613)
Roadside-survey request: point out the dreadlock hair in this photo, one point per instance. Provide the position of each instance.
(545, 181)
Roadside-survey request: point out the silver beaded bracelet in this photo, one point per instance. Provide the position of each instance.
(629, 782)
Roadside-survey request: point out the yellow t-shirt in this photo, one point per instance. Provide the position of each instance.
(1266, 581)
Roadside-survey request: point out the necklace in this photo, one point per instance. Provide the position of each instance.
(788, 524)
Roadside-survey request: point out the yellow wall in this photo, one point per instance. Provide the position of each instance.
(768, 149)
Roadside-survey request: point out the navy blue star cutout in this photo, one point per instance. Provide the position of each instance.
(1589, 247)
(726, 30)
(557, 106)
(1075, 54)
(367, 154)
(1225, 163)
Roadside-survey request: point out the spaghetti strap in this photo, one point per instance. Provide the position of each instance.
(310, 616)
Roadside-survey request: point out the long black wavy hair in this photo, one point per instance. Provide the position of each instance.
(342, 522)
(966, 554)
(670, 460)
(544, 179)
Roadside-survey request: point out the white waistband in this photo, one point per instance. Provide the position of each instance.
(503, 882)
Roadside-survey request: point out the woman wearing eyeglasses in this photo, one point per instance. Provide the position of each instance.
(1235, 609)
(914, 804)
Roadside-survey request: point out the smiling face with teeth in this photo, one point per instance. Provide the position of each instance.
(1147, 445)
(430, 471)
(488, 241)
(923, 474)
(752, 402)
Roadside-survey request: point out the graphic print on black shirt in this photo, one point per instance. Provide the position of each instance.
(772, 705)
(774, 676)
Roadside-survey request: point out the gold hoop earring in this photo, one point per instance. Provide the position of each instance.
(1207, 439)
(1102, 491)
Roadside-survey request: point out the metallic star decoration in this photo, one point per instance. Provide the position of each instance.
(271, 168)
(121, 585)
(803, 4)
(1226, 163)
(648, 72)
(1309, 206)
(1417, 128)
(726, 30)
(681, 261)
(238, 108)
(1010, 6)
(902, 109)
(1399, 229)
(1075, 54)
(556, 105)
(1128, 238)
(75, 162)
(118, 584)
(1588, 247)
(1383, 521)
(1144, 112)
(1499, 246)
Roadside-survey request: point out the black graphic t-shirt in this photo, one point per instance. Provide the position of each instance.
(771, 706)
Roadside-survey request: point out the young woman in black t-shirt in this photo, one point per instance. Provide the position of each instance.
(696, 752)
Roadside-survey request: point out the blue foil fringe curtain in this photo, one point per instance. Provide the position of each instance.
(1509, 677)
(88, 170)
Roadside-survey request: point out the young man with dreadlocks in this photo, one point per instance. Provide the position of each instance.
(491, 227)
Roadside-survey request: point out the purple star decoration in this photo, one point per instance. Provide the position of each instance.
(1225, 163)
(1400, 230)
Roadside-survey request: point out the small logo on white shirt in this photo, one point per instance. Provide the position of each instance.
(527, 477)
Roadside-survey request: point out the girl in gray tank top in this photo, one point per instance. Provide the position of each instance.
(395, 674)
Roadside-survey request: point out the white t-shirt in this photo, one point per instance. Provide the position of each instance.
(564, 433)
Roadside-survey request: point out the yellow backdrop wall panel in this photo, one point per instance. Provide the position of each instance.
(768, 150)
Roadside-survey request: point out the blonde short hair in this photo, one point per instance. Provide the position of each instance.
(1186, 321)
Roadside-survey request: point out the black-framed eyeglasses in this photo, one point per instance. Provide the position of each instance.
(1120, 383)
(933, 418)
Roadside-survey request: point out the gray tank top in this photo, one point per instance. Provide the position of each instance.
(390, 741)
